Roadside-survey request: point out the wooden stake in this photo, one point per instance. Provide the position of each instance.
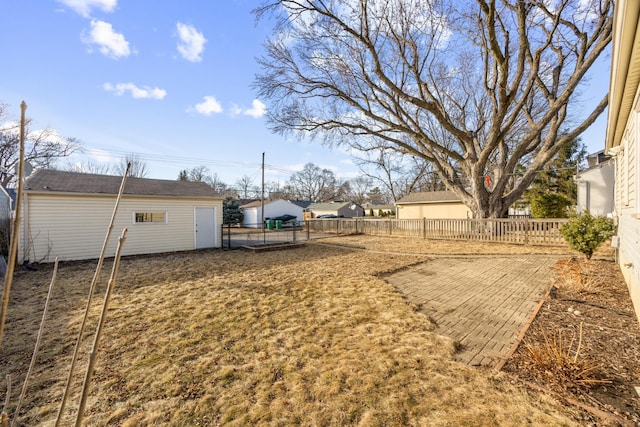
(4, 419)
(102, 320)
(15, 229)
(35, 350)
(92, 288)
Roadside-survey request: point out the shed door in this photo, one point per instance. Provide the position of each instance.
(205, 228)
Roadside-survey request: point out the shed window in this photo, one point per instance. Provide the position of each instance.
(150, 217)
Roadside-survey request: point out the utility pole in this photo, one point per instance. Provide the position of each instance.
(264, 235)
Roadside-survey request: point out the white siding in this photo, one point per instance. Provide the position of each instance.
(629, 256)
(272, 209)
(596, 190)
(251, 217)
(74, 227)
(627, 209)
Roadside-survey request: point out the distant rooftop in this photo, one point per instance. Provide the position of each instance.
(429, 197)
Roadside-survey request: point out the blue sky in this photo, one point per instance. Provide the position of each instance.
(169, 80)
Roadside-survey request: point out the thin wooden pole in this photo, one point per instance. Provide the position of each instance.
(13, 246)
(37, 346)
(101, 322)
(264, 235)
(4, 419)
(92, 288)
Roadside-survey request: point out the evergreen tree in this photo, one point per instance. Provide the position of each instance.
(231, 212)
(557, 179)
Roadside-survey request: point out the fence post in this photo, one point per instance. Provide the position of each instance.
(526, 231)
(308, 223)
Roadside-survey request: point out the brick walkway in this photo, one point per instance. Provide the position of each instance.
(483, 303)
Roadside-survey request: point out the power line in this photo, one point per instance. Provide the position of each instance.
(170, 159)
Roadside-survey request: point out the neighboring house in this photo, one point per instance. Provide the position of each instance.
(432, 205)
(622, 140)
(596, 186)
(338, 209)
(5, 204)
(67, 214)
(272, 208)
(376, 208)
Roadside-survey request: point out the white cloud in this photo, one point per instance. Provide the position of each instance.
(235, 110)
(45, 135)
(84, 7)
(191, 42)
(136, 92)
(257, 109)
(111, 43)
(207, 107)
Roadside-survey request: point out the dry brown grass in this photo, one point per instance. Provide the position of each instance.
(439, 247)
(309, 336)
(559, 357)
(580, 278)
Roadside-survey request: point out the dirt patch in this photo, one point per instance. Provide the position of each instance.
(589, 320)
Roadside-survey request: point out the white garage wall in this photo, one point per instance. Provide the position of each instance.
(74, 227)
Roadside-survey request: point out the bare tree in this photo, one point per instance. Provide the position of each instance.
(89, 166)
(197, 174)
(400, 174)
(203, 174)
(375, 195)
(246, 188)
(219, 186)
(475, 87)
(275, 190)
(42, 147)
(138, 167)
(314, 183)
(359, 187)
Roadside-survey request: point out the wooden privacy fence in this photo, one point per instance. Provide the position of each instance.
(524, 231)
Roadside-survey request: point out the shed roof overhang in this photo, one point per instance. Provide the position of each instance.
(625, 69)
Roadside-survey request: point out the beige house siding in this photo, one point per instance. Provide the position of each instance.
(73, 227)
(452, 210)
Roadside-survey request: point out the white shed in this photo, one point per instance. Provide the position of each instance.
(5, 205)
(596, 189)
(272, 208)
(66, 215)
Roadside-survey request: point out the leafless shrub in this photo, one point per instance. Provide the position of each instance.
(579, 277)
(557, 357)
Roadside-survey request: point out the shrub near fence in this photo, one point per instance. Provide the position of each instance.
(521, 231)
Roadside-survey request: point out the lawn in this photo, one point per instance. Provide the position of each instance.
(307, 336)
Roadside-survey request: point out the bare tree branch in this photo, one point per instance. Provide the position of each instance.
(472, 87)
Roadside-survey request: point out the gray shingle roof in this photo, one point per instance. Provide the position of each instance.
(47, 180)
(302, 203)
(329, 206)
(429, 197)
(254, 204)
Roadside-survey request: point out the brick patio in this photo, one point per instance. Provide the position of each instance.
(481, 302)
